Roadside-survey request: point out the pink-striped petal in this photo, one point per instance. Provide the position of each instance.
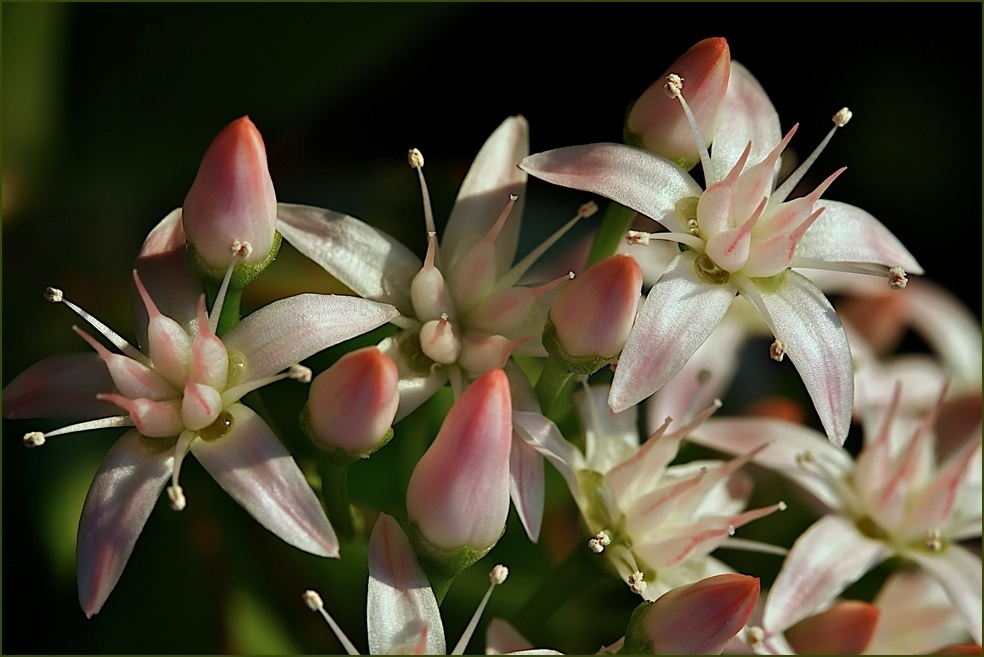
(680, 313)
(637, 179)
(526, 485)
(400, 602)
(825, 559)
(747, 115)
(806, 325)
(370, 262)
(844, 233)
(959, 572)
(259, 473)
(543, 435)
(120, 499)
(61, 387)
(492, 178)
(287, 331)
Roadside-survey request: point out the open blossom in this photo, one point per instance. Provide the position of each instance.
(656, 523)
(740, 236)
(180, 392)
(894, 499)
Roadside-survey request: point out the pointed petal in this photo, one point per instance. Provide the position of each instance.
(844, 233)
(747, 115)
(825, 559)
(680, 313)
(637, 179)
(501, 638)
(287, 331)
(400, 602)
(786, 441)
(526, 485)
(163, 267)
(373, 264)
(120, 499)
(61, 387)
(804, 321)
(493, 176)
(543, 435)
(414, 387)
(257, 471)
(959, 572)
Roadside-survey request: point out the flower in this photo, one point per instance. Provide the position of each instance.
(232, 198)
(894, 499)
(739, 236)
(655, 523)
(181, 394)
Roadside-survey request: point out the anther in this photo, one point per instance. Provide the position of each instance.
(637, 583)
(934, 540)
(600, 541)
(53, 294)
(897, 279)
(415, 158)
(587, 209)
(299, 373)
(756, 635)
(842, 116)
(673, 86)
(637, 237)
(33, 439)
(313, 600)
(805, 459)
(498, 575)
(781, 506)
(240, 249)
(176, 495)
(777, 350)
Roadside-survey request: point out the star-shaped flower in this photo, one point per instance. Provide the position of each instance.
(740, 235)
(181, 394)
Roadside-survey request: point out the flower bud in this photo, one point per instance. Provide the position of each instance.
(592, 315)
(351, 405)
(658, 123)
(232, 199)
(844, 629)
(696, 619)
(458, 496)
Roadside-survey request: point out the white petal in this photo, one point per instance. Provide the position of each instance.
(825, 559)
(485, 191)
(747, 115)
(812, 335)
(844, 233)
(502, 638)
(400, 602)
(255, 469)
(289, 330)
(543, 435)
(637, 179)
(373, 264)
(677, 316)
(122, 495)
(959, 572)
(61, 387)
(609, 438)
(526, 485)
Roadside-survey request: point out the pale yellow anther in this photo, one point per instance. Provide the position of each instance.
(176, 495)
(33, 439)
(897, 279)
(498, 575)
(637, 583)
(600, 541)
(415, 158)
(587, 209)
(756, 635)
(782, 506)
(637, 237)
(777, 350)
(53, 294)
(674, 85)
(934, 540)
(240, 249)
(842, 116)
(300, 373)
(313, 600)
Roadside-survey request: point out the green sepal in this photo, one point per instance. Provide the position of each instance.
(573, 364)
(443, 565)
(636, 641)
(242, 275)
(337, 455)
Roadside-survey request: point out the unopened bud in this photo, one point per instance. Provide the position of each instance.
(844, 629)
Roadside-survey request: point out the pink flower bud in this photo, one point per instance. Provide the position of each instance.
(844, 629)
(696, 619)
(232, 198)
(458, 494)
(594, 313)
(351, 405)
(659, 122)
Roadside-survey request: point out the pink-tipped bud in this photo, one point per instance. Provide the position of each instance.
(458, 494)
(232, 198)
(844, 629)
(351, 405)
(696, 619)
(658, 121)
(593, 314)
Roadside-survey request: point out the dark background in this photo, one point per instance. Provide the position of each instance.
(107, 110)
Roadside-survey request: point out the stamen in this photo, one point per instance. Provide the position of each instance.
(690, 239)
(674, 89)
(416, 159)
(55, 295)
(296, 372)
(840, 119)
(496, 577)
(299, 373)
(512, 276)
(635, 237)
(33, 439)
(314, 603)
(174, 491)
(897, 279)
(777, 350)
(637, 583)
(37, 438)
(600, 541)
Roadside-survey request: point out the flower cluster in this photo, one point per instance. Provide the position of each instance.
(482, 369)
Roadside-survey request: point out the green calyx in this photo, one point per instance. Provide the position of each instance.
(573, 364)
(242, 275)
(443, 565)
(337, 455)
(636, 641)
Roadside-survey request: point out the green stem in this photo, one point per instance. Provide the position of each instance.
(334, 495)
(553, 380)
(617, 220)
(230, 311)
